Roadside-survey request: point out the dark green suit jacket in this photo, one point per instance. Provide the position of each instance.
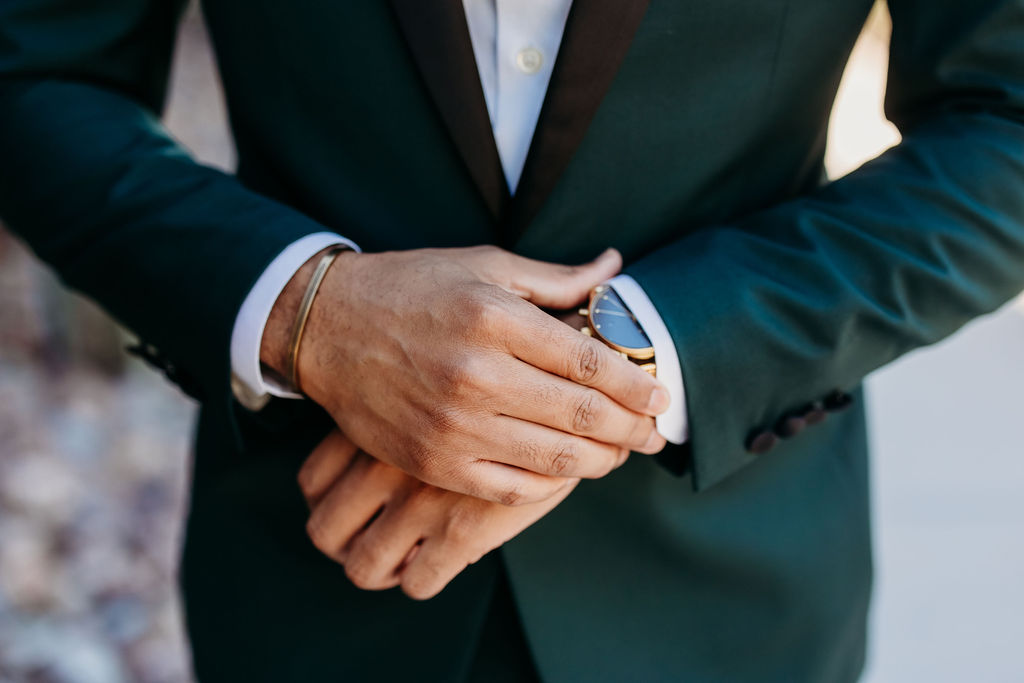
(687, 134)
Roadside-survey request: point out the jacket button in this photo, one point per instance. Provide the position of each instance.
(815, 413)
(837, 400)
(790, 426)
(762, 442)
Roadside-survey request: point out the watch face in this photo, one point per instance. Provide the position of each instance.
(616, 324)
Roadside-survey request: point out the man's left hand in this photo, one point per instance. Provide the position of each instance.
(390, 529)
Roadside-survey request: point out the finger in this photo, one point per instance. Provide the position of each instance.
(351, 504)
(505, 484)
(432, 568)
(411, 556)
(467, 534)
(553, 285)
(556, 402)
(378, 553)
(622, 459)
(324, 465)
(546, 343)
(546, 451)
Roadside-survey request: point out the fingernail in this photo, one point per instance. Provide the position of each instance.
(659, 401)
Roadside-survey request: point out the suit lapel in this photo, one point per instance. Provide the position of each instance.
(597, 36)
(438, 36)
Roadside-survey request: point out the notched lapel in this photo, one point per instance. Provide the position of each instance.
(597, 36)
(438, 37)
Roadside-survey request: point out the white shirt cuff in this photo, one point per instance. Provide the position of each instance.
(247, 334)
(673, 424)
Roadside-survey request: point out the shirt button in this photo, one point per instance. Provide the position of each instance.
(529, 60)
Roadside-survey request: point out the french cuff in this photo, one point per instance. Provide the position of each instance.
(247, 381)
(673, 424)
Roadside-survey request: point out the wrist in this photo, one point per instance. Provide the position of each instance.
(274, 345)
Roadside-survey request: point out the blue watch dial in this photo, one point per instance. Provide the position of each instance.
(611, 320)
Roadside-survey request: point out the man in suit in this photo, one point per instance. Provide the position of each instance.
(447, 405)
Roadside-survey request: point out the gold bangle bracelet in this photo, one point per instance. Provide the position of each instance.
(300, 320)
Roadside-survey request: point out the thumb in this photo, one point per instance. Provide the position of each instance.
(552, 285)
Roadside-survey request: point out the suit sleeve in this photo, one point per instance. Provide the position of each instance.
(803, 300)
(99, 190)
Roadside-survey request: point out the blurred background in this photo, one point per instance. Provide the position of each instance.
(94, 461)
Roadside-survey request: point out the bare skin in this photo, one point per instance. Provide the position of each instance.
(439, 362)
(389, 529)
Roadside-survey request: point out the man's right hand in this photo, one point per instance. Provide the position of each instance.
(439, 362)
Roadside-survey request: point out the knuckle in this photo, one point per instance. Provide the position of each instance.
(465, 378)
(512, 496)
(368, 557)
(418, 589)
(425, 463)
(305, 480)
(365, 567)
(564, 458)
(361, 575)
(441, 468)
(461, 526)
(317, 533)
(418, 451)
(622, 458)
(455, 374)
(422, 496)
(482, 311)
(585, 362)
(443, 419)
(424, 583)
(586, 414)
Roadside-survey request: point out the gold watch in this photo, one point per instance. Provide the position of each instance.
(610, 321)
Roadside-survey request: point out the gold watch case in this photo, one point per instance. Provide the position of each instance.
(641, 355)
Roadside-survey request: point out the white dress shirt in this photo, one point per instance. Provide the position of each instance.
(515, 43)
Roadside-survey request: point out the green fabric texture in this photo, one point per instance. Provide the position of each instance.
(775, 309)
(702, 165)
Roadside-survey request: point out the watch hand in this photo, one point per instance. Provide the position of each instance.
(620, 313)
